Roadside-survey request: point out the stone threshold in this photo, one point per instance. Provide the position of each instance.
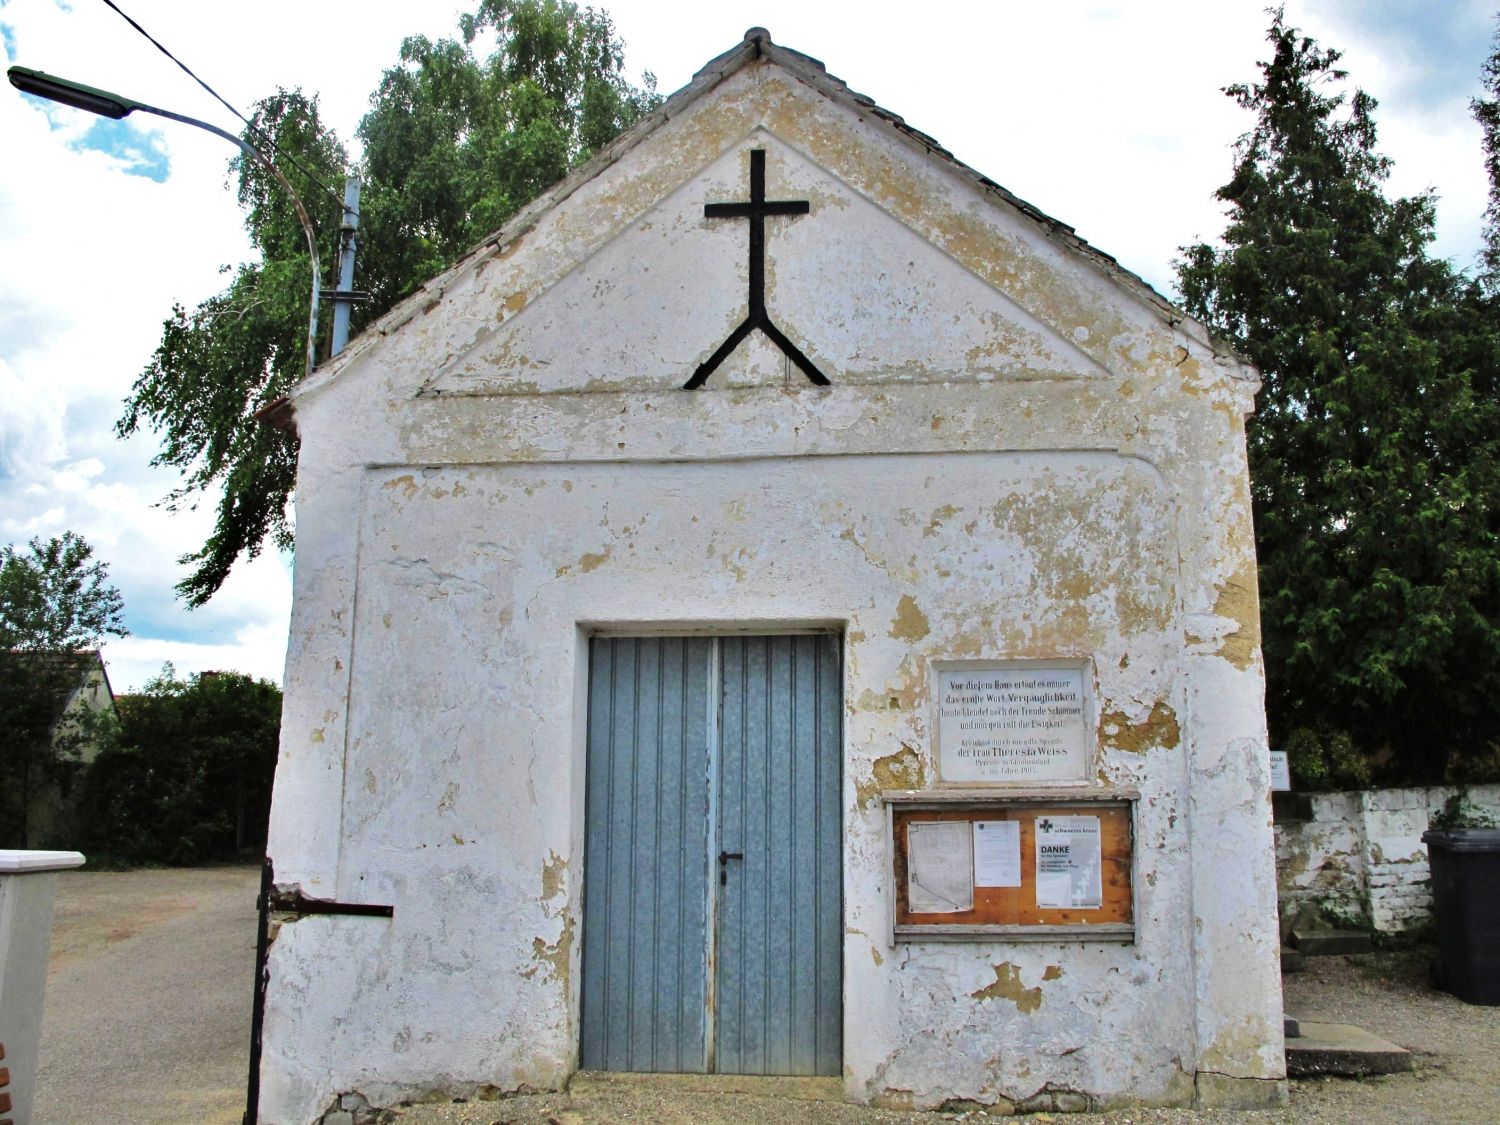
(792, 1088)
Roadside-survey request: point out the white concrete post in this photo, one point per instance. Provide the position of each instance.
(27, 882)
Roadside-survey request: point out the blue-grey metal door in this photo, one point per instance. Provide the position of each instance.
(712, 878)
(646, 879)
(779, 984)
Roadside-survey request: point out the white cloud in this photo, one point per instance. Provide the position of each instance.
(31, 425)
(44, 526)
(132, 661)
(76, 477)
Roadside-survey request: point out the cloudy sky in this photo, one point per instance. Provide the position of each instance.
(1105, 115)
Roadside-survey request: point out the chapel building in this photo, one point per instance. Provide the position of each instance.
(785, 606)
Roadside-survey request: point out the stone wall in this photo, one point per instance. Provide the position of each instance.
(1359, 857)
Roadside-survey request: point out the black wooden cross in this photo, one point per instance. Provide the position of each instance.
(756, 211)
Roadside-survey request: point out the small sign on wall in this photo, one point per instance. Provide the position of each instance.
(1012, 722)
(1281, 772)
(1067, 862)
(997, 853)
(940, 867)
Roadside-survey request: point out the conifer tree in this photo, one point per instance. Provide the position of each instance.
(1487, 113)
(1375, 468)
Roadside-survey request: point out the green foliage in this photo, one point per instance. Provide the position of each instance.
(1460, 811)
(1343, 915)
(191, 778)
(1375, 448)
(236, 353)
(56, 605)
(1326, 760)
(55, 597)
(461, 133)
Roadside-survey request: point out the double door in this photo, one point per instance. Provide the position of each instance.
(712, 937)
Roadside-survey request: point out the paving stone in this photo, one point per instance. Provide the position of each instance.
(1328, 943)
(1341, 1048)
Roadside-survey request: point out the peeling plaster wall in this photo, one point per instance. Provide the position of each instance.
(1020, 457)
(1359, 857)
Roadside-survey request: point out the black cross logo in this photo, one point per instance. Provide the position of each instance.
(756, 211)
(1045, 826)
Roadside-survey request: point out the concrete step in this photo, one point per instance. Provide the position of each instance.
(1343, 1049)
(1291, 960)
(1328, 943)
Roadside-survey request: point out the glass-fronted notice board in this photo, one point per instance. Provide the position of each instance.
(1017, 868)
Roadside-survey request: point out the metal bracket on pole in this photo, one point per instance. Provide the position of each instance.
(344, 296)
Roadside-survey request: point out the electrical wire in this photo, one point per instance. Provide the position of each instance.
(335, 196)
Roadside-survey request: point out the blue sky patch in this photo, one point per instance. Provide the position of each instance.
(142, 153)
(8, 41)
(1450, 41)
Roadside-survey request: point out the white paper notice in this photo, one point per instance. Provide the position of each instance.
(1281, 773)
(1067, 862)
(997, 853)
(939, 867)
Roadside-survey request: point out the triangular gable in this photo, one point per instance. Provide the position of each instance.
(653, 305)
(974, 282)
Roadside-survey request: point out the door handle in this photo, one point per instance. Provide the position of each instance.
(724, 858)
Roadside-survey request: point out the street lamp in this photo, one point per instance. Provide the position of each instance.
(115, 106)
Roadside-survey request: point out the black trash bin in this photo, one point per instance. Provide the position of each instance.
(1465, 865)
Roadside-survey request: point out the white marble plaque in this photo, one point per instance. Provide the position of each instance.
(1001, 724)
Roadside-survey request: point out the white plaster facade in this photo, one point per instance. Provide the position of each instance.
(1025, 453)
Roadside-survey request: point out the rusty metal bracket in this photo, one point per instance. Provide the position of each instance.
(295, 902)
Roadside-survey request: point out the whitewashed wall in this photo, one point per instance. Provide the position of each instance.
(1024, 454)
(1360, 856)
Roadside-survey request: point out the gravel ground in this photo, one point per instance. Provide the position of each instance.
(147, 1018)
(1457, 1045)
(1457, 1078)
(148, 1009)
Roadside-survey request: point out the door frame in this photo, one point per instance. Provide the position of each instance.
(585, 631)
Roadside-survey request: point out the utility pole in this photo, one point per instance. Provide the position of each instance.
(344, 296)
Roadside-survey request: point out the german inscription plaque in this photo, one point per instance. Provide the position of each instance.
(999, 724)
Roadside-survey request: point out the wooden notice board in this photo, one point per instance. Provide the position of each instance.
(1085, 889)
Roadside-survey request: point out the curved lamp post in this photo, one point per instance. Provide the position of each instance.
(115, 106)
